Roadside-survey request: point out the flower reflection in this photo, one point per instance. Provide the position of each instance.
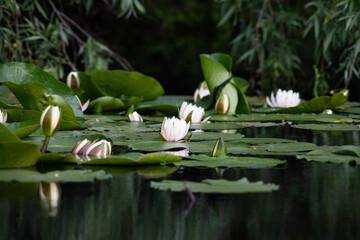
(181, 153)
(50, 195)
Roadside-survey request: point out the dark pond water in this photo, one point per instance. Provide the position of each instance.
(315, 201)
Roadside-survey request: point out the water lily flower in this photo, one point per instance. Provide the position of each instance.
(73, 80)
(81, 146)
(190, 112)
(174, 129)
(85, 106)
(3, 116)
(50, 120)
(201, 92)
(135, 117)
(284, 99)
(98, 149)
(222, 104)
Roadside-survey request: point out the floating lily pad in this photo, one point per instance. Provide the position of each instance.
(329, 127)
(55, 176)
(24, 128)
(348, 150)
(332, 158)
(228, 161)
(216, 186)
(291, 147)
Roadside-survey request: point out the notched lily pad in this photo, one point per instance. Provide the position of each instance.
(216, 186)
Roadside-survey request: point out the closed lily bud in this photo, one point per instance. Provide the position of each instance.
(50, 120)
(3, 117)
(81, 146)
(135, 117)
(219, 148)
(98, 149)
(73, 80)
(222, 104)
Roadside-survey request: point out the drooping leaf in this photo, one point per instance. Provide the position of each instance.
(216, 186)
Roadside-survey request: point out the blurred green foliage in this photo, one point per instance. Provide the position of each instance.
(311, 46)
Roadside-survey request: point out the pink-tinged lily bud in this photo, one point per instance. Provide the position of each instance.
(81, 146)
(222, 104)
(73, 80)
(50, 120)
(174, 129)
(85, 106)
(98, 149)
(135, 117)
(3, 117)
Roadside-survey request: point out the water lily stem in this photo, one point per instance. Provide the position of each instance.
(46, 143)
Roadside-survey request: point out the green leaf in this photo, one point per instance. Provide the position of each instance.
(291, 147)
(7, 135)
(21, 73)
(54, 176)
(348, 150)
(216, 186)
(24, 128)
(107, 103)
(328, 127)
(18, 154)
(117, 83)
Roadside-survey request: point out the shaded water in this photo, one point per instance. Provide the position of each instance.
(315, 201)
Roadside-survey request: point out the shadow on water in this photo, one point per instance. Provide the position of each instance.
(315, 201)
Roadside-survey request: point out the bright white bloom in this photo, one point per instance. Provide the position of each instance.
(98, 149)
(50, 120)
(222, 105)
(85, 106)
(73, 80)
(81, 146)
(3, 117)
(201, 92)
(284, 99)
(135, 117)
(186, 109)
(174, 129)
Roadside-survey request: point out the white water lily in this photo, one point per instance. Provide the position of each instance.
(135, 117)
(222, 104)
(174, 129)
(73, 80)
(85, 106)
(188, 110)
(3, 117)
(50, 120)
(201, 92)
(81, 146)
(98, 149)
(283, 99)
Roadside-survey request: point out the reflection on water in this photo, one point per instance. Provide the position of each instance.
(315, 201)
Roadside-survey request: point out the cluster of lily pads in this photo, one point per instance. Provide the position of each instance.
(149, 129)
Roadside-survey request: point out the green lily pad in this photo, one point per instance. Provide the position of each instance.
(107, 103)
(132, 159)
(19, 175)
(291, 147)
(229, 161)
(216, 186)
(332, 158)
(15, 74)
(348, 150)
(117, 83)
(329, 127)
(24, 128)
(18, 154)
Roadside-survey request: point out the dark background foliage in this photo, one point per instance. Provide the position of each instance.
(309, 46)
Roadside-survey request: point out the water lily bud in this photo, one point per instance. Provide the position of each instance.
(173, 129)
(219, 148)
(73, 80)
(135, 117)
(98, 149)
(81, 146)
(50, 120)
(191, 113)
(222, 104)
(3, 117)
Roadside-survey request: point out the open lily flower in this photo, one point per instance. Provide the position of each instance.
(3, 117)
(201, 92)
(174, 129)
(284, 99)
(98, 149)
(73, 80)
(85, 106)
(135, 117)
(190, 112)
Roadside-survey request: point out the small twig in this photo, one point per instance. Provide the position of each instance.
(192, 200)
